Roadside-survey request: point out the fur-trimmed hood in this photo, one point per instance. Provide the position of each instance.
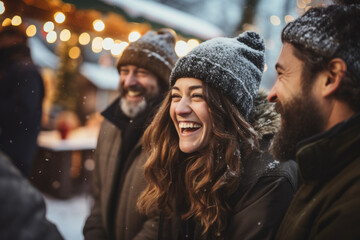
(263, 117)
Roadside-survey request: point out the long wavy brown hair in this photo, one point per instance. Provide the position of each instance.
(197, 185)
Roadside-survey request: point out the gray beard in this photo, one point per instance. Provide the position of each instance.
(132, 109)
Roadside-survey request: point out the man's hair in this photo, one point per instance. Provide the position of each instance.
(313, 64)
(209, 175)
(323, 34)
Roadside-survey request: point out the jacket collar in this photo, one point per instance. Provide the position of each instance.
(325, 154)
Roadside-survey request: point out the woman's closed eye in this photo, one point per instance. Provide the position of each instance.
(175, 97)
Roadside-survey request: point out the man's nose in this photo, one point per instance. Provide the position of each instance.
(130, 80)
(272, 97)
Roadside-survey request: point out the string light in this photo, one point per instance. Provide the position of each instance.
(84, 38)
(59, 17)
(65, 35)
(181, 48)
(51, 37)
(108, 43)
(275, 20)
(133, 36)
(98, 25)
(74, 52)
(118, 48)
(96, 45)
(2, 7)
(16, 20)
(31, 30)
(6, 22)
(192, 43)
(48, 26)
(289, 18)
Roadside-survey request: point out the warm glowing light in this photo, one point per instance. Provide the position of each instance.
(118, 48)
(192, 43)
(96, 45)
(51, 37)
(275, 20)
(108, 43)
(31, 30)
(181, 48)
(74, 52)
(6, 22)
(265, 67)
(289, 18)
(84, 38)
(133, 36)
(300, 4)
(307, 8)
(59, 17)
(48, 26)
(2, 7)
(98, 25)
(65, 35)
(16, 20)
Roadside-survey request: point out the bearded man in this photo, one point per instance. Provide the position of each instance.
(317, 92)
(144, 68)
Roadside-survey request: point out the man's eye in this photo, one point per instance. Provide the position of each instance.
(124, 71)
(142, 73)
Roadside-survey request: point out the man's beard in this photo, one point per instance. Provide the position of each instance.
(131, 108)
(301, 119)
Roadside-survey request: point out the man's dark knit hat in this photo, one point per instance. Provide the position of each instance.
(232, 65)
(155, 51)
(329, 32)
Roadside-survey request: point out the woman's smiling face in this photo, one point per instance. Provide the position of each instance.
(190, 114)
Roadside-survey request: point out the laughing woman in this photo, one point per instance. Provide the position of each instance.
(208, 170)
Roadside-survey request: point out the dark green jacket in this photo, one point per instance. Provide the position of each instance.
(327, 205)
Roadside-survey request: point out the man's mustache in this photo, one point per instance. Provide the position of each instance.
(279, 108)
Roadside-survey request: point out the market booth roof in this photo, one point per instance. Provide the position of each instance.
(120, 16)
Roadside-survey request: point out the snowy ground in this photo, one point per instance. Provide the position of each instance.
(69, 215)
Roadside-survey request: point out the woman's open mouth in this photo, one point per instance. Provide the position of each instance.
(189, 127)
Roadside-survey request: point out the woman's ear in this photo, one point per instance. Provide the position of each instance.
(336, 72)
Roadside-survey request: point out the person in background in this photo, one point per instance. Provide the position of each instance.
(22, 207)
(317, 93)
(208, 171)
(21, 95)
(144, 68)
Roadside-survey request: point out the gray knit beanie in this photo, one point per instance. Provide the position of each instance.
(155, 51)
(232, 65)
(329, 32)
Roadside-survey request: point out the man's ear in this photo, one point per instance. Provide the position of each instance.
(336, 72)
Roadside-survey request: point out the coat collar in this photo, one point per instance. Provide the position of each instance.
(324, 155)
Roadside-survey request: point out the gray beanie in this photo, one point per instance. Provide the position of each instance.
(329, 32)
(232, 65)
(155, 51)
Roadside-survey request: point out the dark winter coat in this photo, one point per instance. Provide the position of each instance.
(21, 94)
(327, 205)
(264, 194)
(117, 186)
(22, 207)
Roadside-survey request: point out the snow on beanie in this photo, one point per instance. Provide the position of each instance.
(155, 51)
(330, 32)
(232, 65)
